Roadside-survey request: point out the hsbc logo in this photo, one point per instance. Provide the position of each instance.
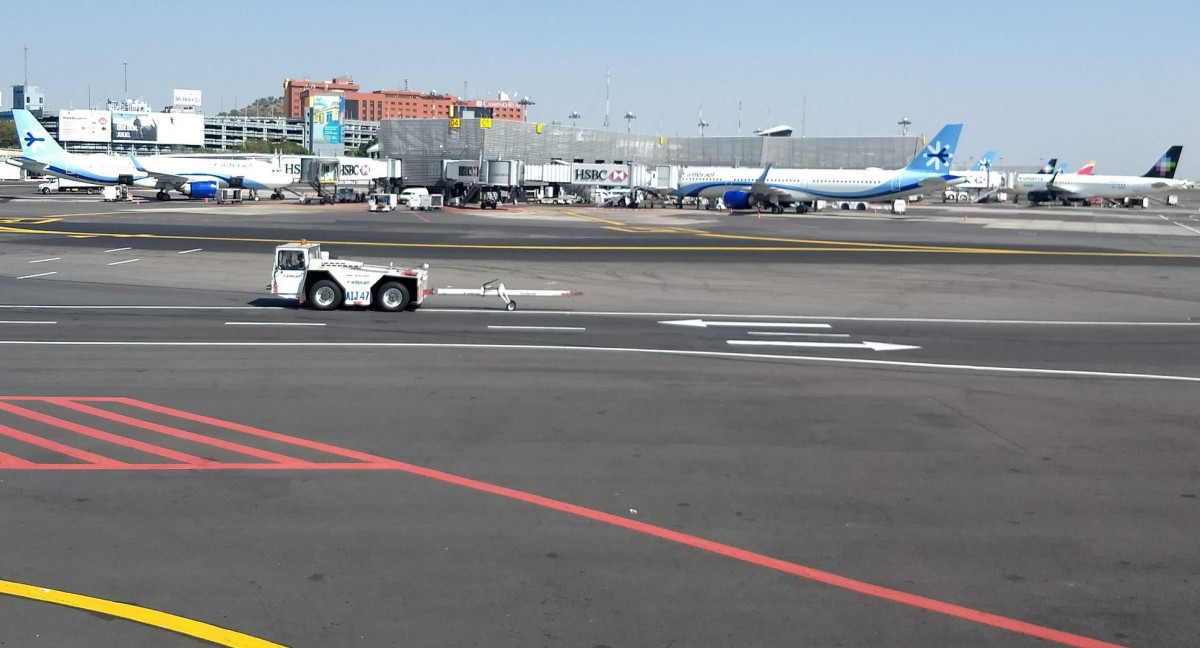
(600, 176)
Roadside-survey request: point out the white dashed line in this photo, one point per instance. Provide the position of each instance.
(274, 323)
(45, 260)
(25, 322)
(40, 274)
(190, 251)
(125, 261)
(118, 250)
(539, 328)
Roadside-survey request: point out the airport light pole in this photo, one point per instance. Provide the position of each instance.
(525, 104)
(703, 124)
(629, 117)
(904, 124)
(125, 64)
(574, 116)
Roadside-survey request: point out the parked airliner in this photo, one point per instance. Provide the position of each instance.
(196, 177)
(776, 189)
(1068, 187)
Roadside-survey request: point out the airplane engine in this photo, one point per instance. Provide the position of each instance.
(738, 200)
(200, 190)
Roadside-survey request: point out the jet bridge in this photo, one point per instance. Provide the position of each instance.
(323, 174)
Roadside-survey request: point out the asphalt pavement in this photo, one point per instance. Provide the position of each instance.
(855, 449)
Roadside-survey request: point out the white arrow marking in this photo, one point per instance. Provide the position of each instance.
(699, 323)
(874, 346)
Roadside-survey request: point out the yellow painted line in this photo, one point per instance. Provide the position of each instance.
(825, 246)
(29, 221)
(595, 219)
(145, 616)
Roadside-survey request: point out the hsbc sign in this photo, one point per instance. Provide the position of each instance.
(610, 175)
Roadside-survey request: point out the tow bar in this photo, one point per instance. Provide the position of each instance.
(495, 289)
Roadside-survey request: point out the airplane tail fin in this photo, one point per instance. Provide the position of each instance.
(1164, 168)
(984, 162)
(938, 153)
(1087, 169)
(1050, 166)
(36, 143)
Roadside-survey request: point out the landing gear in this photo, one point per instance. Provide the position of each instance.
(277, 194)
(801, 208)
(163, 195)
(776, 209)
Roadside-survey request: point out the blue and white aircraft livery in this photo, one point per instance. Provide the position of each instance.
(196, 177)
(777, 189)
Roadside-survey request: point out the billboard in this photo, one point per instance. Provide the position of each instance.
(609, 175)
(325, 120)
(84, 125)
(354, 171)
(186, 98)
(158, 128)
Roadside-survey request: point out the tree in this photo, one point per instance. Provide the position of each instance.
(361, 151)
(8, 135)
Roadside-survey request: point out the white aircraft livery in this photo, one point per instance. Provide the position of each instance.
(741, 189)
(196, 177)
(1068, 187)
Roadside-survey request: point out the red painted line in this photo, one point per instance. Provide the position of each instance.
(74, 398)
(238, 448)
(246, 429)
(897, 596)
(194, 467)
(9, 461)
(93, 460)
(423, 219)
(102, 435)
(372, 462)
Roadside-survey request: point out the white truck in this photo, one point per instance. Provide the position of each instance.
(56, 184)
(416, 198)
(304, 272)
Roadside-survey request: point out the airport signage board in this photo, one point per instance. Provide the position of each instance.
(608, 175)
(187, 98)
(158, 128)
(353, 171)
(325, 113)
(84, 126)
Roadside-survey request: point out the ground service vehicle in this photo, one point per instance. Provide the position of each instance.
(416, 198)
(304, 272)
(382, 202)
(489, 200)
(64, 184)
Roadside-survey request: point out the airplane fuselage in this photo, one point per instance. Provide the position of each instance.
(803, 185)
(1077, 186)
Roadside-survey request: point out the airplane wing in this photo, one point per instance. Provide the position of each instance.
(767, 193)
(164, 179)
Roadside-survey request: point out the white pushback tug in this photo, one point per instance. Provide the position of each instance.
(303, 271)
(308, 274)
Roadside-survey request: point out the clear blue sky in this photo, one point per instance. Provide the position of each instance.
(1114, 81)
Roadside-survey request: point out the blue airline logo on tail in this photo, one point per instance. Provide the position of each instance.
(30, 140)
(937, 155)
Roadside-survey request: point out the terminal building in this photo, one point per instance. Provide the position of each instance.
(425, 146)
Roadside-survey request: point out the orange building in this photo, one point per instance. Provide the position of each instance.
(393, 104)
